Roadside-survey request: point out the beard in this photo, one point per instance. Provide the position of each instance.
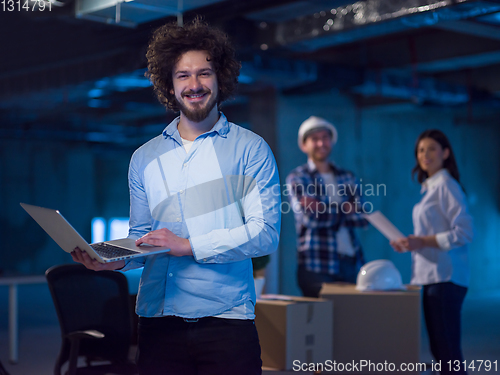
(199, 112)
(316, 156)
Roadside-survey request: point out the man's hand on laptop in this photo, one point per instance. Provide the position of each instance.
(92, 264)
(163, 237)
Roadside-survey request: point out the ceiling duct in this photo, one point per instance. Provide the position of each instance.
(130, 13)
(281, 73)
(426, 90)
(370, 18)
(401, 87)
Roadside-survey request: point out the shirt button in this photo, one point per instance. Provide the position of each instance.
(181, 191)
(178, 219)
(170, 274)
(185, 164)
(204, 259)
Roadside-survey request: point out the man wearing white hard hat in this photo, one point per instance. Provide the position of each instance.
(327, 204)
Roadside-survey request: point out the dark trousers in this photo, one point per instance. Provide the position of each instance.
(442, 311)
(310, 282)
(207, 346)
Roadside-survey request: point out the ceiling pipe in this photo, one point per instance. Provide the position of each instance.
(369, 18)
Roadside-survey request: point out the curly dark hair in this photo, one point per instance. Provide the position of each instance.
(170, 42)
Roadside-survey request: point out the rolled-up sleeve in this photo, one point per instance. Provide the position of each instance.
(454, 206)
(140, 216)
(308, 216)
(261, 209)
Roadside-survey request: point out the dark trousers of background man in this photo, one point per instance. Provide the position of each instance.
(442, 311)
(206, 346)
(310, 282)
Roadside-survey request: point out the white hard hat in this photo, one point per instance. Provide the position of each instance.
(379, 274)
(316, 123)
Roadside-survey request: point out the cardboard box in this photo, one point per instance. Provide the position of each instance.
(294, 329)
(377, 326)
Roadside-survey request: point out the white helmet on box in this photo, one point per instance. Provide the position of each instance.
(379, 274)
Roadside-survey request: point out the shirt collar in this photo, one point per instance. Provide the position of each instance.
(221, 127)
(312, 167)
(435, 179)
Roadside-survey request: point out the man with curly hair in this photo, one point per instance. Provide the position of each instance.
(205, 188)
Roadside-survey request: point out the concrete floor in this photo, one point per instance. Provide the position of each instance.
(39, 336)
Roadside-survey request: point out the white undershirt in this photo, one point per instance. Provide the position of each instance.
(344, 243)
(187, 144)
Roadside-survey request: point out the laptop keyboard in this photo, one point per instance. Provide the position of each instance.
(110, 251)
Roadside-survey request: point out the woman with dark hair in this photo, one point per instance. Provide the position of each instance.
(439, 247)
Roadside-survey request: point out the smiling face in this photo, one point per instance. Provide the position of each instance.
(431, 156)
(195, 85)
(318, 145)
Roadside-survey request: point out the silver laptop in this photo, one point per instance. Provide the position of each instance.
(68, 238)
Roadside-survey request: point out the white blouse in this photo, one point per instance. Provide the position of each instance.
(443, 212)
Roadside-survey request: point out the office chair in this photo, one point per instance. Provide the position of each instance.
(3, 371)
(95, 316)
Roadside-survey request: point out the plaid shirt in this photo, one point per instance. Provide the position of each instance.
(317, 231)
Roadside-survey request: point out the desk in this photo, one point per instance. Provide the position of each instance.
(374, 326)
(13, 282)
